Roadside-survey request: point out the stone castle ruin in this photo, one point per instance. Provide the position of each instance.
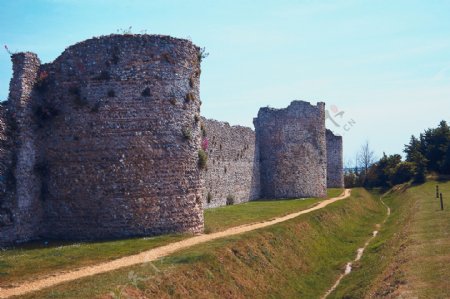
(335, 160)
(107, 141)
(292, 150)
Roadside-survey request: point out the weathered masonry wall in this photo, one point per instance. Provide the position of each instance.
(121, 141)
(233, 164)
(335, 164)
(20, 208)
(8, 223)
(107, 140)
(292, 150)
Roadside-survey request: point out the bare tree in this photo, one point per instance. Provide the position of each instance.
(365, 158)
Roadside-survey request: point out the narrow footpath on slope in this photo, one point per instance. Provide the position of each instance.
(359, 252)
(153, 254)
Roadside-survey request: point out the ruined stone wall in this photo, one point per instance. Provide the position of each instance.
(107, 140)
(335, 166)
(120, 150)
(7, 179)
(233, 164)
(20, 207)
(292, 150)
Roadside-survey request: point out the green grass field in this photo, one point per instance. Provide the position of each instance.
(298, 258)
(33, 260)
(256, 211)
(334, 192)
(218, 219)
(410, 256)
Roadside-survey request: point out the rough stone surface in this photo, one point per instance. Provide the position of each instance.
(335, 164)
(292, 150)
(7, 179)
(20, 201)
(233, 164)
(111, 143)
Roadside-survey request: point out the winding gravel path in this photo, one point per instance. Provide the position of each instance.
(153, 254)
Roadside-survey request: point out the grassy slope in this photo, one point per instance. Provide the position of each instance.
(31, 261)
(410, 257)
(229, 216)
(25, 263)
(256, 211)
(298, 258)
(334, 192)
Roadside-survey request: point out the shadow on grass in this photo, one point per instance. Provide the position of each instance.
(56, 243)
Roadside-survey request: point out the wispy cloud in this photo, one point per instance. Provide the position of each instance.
(443, 74)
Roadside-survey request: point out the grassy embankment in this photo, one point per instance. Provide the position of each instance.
(411, 255)
(298, 258)
(34, 260)
(256, 211)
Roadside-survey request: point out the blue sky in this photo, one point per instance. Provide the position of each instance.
(385, 64)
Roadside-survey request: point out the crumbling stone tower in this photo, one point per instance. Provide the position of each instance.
(335, 164)
(105, 140)
(292, 148)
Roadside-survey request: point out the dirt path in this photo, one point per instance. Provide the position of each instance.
(152, 254)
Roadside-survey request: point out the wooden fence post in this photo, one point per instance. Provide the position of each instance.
(437, 191)
(442, 203)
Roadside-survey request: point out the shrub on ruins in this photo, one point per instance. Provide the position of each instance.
(203, 129)
(202, 159)
(8, 50)
(126, 31)
(202, 54)
(190, 97)
(187, 134)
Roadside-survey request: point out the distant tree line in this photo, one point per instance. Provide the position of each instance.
(428, 153)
